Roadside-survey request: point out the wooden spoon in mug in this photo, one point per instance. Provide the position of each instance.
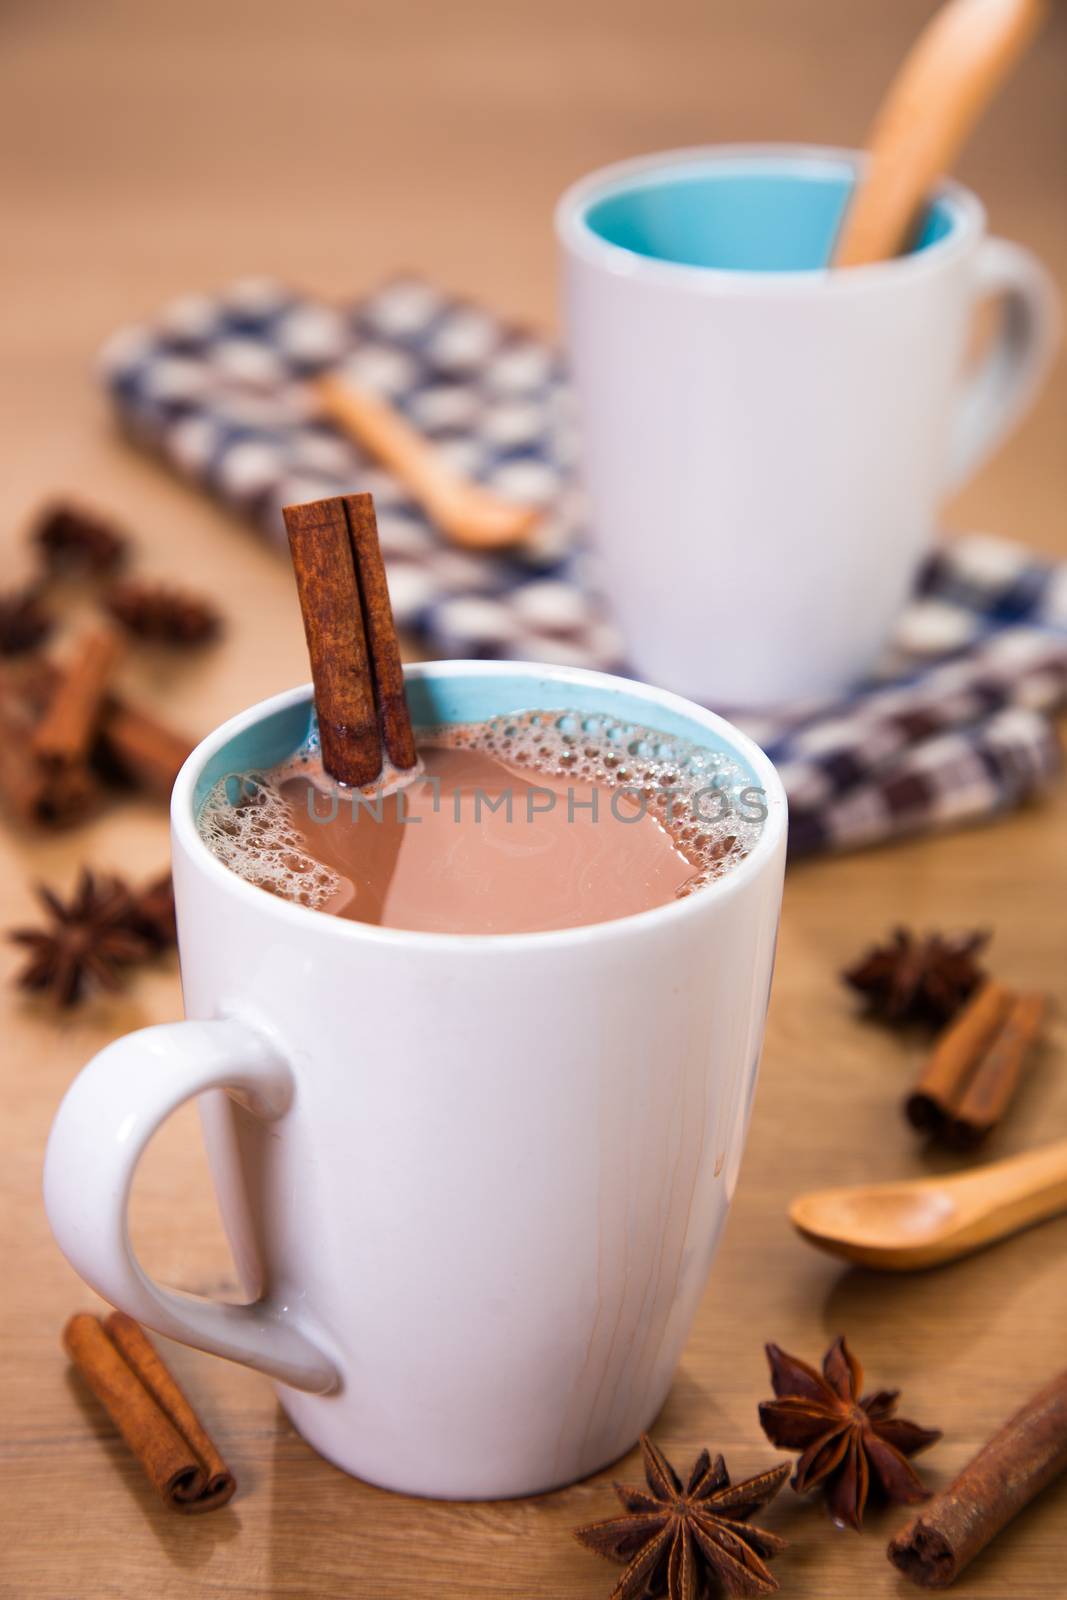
(947, 78)
(897, 1227)
(466, 512)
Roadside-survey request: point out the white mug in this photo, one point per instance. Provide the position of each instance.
(765, 442)
(473, 1184)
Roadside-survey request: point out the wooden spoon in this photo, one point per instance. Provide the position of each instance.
(465, 512)
(897, 1227)
(947, 78)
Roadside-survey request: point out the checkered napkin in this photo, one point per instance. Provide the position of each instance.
(955, 726)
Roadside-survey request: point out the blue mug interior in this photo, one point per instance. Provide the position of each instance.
(738, 218)
(447, 699)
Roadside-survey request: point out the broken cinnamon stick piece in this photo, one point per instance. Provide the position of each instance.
(64, 736)
(955, 1056)
(128, 1376)
(351, 637)
(1017, 1463)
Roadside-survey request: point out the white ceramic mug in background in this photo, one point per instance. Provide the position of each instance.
(765, 441)
(473, 1184)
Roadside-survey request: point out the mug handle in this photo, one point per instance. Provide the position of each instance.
(1003, 384)
(107, 1117)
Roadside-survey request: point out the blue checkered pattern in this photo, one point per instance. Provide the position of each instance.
(954, 727)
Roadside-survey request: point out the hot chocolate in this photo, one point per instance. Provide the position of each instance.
(528, 822)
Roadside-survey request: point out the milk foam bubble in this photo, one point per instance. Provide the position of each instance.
(247, 824)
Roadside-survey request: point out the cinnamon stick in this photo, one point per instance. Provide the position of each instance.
(28, 791)
(955, 1056)
(1017, 1463)
(127, 1374)
(130, 745)
(141, 749)
(383, 645)
(333, 625)
(65, 734)
(996, 1077)
(351, 637)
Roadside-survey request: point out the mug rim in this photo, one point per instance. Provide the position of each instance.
(772, 832)
(967, 214)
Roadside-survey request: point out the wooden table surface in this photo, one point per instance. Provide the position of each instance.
(151, 150)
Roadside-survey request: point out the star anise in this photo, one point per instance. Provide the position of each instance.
(161, 613)
(24, 622)
(73, 540)
(682, 1542)
(88, 940)
(152, 913)
(914, 979)
(842, 1438)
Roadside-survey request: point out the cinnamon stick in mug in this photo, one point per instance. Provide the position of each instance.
(382, 643)
(351, 637)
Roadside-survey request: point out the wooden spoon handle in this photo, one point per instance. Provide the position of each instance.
(951, 72)
(389, 437)
(466, 512)
(1012, 1194)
